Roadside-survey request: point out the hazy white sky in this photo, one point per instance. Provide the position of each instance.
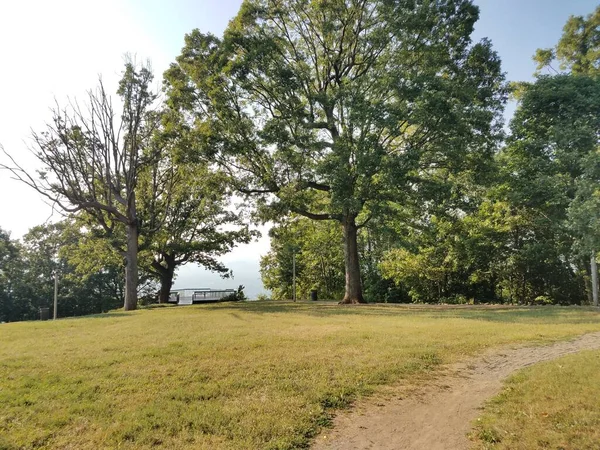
(53, 49)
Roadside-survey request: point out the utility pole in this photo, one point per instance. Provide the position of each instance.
(55, 293)
(294, 275)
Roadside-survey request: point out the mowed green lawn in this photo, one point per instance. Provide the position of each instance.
(242, 376)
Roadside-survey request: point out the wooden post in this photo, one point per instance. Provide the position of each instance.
(594, 270)
(294, 276)
(55, 293)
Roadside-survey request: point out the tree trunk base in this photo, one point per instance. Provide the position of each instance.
(352, 301)
(353, 289)
(131, 267)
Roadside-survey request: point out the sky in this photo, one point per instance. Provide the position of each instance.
(51, 51)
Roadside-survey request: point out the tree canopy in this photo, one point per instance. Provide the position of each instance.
(578, 50)
(332, 109)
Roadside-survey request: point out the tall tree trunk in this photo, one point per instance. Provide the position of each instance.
(131, 267)
(166, 283)
(594, 270)
(353, 284)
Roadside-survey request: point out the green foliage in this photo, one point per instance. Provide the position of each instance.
(187, 221)
(319, 259)
(584, 209)
(237, 296)
(527, 235)
(578, 49)
(13, 305)
(27, 278)
(549, 170)
(47, 249)
(89, 248)
(446, 260)
(421, 272)
(542, 300)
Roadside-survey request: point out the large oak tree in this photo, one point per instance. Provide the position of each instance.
(331, 108)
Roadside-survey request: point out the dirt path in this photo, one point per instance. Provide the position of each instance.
(437, 416)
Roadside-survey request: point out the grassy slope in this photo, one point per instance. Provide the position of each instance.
(549, 405)
(253, 375)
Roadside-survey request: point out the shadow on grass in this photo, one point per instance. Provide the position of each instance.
(489, 313)
(533, 314)
(108, 315)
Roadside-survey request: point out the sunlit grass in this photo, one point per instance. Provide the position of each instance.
(549, 405)
(247, 375)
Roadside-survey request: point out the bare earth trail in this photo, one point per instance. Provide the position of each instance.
(438, 416)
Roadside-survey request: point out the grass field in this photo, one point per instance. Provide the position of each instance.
(244, 376)
(549, 405)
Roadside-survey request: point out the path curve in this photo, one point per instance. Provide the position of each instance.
(438, 416)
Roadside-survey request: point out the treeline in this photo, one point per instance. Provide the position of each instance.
(28, 268)
(370, 133)
(87, 268)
